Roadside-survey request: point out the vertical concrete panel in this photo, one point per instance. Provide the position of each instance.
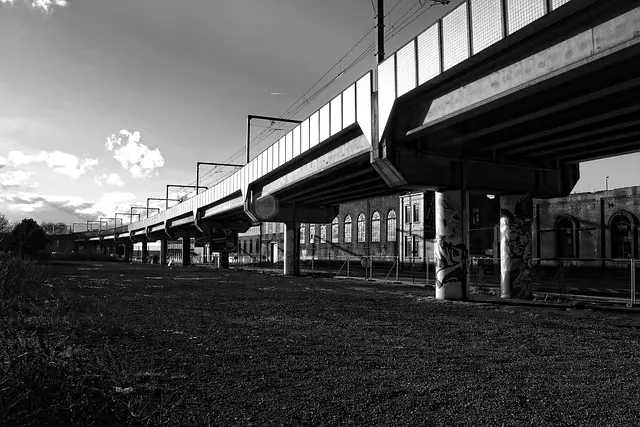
(516, 262)
(325, 130)
(270, 158)
(304, 136)
(265, 169)
(259, 165)
(406, 63)
(336, 114)
(429, 54)
(450, 251)
(363, 105)
(557, 3)
(386, 92)
(314, 129)
(349, 106)
(296, 141)
(486, 23)
(282, 151)
(288, 142)
(455, 36)
(292, 249)
(521, 13)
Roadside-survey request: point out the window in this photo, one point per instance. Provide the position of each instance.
(567, 238)
(335, 233)
(312, 234)
(362, 228)
(250, 246)
(407, 246)
(347, 229)
(302, 233)
(391, 226)
(623, 235)
(416, 212)
(244, 247)
(407, 214)
(415, 251)
(475, 218)
(323, 233)
(375, 227)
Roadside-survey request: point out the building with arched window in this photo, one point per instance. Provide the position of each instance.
(362, 228)
(348, 228)
(375, 227)
(567, 237)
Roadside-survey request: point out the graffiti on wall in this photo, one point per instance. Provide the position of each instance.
(516, 219)
(450, 251)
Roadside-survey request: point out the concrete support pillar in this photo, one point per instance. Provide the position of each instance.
(164, 251)
(516, 219)
(145, 252)
(186, 251)
(450, 251)
(292, 249)
(128, 250)
(224, 260)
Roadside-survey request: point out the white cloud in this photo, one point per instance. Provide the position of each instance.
(105, 206)
(134, 156)
(44, 5)
(16, 178)
(62, 163)
(109, 179)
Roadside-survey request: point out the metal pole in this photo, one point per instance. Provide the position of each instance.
(426, 261)
(380, 31)
(347, 266)
(248, 138)
(397, 269)
(633, 281)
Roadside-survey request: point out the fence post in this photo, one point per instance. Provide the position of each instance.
(348, 266)
(312, 270)
(633, 282)
(397, 268)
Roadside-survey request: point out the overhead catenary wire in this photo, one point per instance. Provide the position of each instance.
(408, 17)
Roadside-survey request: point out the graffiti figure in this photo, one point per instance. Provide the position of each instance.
(450, 251)
(516, 234)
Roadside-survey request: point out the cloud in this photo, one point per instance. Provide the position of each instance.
(46, 6)
(16, 178)
(53, 207)
(62, 163)
(134, 156)
(109, 179)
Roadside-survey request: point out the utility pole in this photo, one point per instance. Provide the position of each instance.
(380, 31)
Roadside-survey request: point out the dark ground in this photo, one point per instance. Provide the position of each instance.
(243, 348)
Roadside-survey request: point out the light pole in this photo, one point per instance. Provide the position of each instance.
(164, 200)
(142, 207)
(606, 183)
(251, 117)
(212, 164)
(107, 221)
(197, 187)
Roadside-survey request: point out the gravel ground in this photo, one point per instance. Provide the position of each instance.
(244, 348)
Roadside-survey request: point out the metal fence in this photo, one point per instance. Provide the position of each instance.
(612, 279)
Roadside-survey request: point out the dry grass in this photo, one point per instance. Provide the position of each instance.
(145, 345)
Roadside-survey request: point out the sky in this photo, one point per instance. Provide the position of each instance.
(104, 103)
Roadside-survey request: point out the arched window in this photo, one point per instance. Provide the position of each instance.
(312, 234)
(335, 230)
(302, 233)
(391, 226)
(362, 228)
(567, 236)
(244, 247)
(323, 233)
(375, 227)
(347, 229)
(623, 227)
(250, 246)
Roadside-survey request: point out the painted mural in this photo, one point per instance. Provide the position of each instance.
(450, 251)
(516, 219)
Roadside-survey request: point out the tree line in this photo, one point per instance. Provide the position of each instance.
(27, 238)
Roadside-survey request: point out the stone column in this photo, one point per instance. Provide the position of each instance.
(516, 218)
(128, 250)
(292, 249)
(186, 251)
(450, 251)
(164, 251)
(224, 260)
(145, 252)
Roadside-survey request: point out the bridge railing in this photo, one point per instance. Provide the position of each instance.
(467, 30)
(352, 105)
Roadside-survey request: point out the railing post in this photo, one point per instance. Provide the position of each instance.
(633, 281)
(348, 266)
(397, 268)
